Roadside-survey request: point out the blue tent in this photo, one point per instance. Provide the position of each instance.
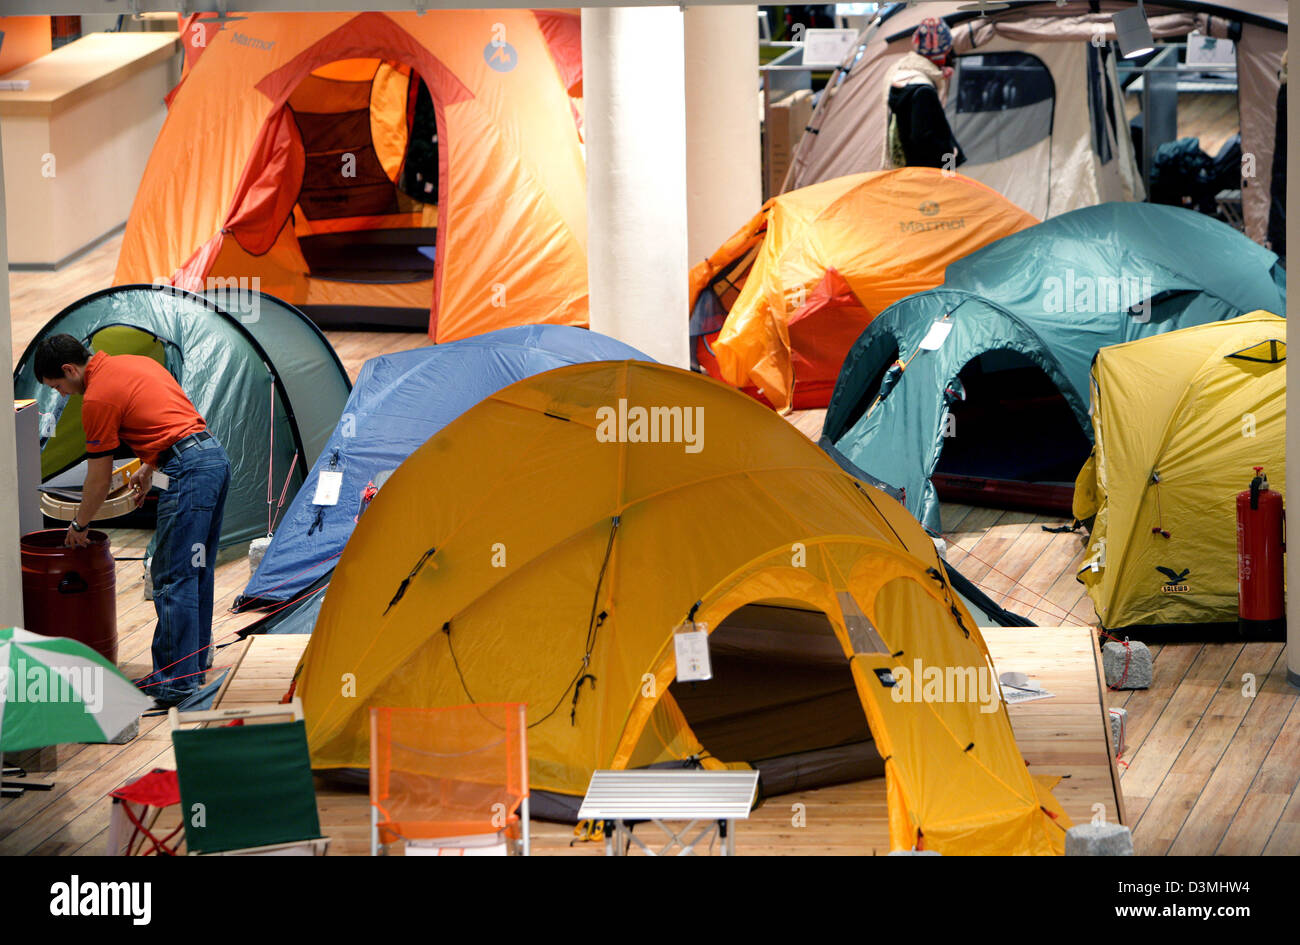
(398, 402)
(977, 391)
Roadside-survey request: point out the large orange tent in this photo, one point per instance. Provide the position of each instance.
(382, 169)
(777, 307)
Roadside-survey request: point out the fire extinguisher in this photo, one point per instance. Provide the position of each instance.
(1260, 546)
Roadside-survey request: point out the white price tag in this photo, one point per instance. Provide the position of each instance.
(691, 644)
(161, 480)
(935, 337)
(327, 488)
(823, 47)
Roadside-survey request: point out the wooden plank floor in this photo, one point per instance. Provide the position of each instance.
(1211, 117)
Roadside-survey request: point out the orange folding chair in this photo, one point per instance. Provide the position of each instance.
(450, 781)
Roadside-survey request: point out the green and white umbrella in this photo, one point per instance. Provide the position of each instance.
(56, 691)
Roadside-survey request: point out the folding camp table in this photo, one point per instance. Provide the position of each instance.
(719, 798)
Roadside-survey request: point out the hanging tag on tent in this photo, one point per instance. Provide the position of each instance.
(327, 488)
(49, 424)
(935, 337)
(691, 643)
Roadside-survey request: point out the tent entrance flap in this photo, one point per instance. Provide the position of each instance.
(367, 203)
(782, 699)
(1010, 437)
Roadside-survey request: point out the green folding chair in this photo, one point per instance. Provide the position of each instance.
(247, 790)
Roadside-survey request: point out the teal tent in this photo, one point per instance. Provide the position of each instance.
(262, 375)
(977, 391)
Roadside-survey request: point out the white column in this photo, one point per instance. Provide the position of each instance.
(635, 130)
(1292, 398)
(724, 185)
(11, 587)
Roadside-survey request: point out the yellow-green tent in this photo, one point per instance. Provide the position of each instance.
(1179, 421)
(544, 547)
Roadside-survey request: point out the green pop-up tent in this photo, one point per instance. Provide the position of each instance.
(977, 391)
(262, 375)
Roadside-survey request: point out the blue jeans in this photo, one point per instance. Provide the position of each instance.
(184, 567)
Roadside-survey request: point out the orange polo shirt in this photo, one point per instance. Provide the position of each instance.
(133, 400)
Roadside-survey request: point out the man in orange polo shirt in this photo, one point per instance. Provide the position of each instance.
(133, 402)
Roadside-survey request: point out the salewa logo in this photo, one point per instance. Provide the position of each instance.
(929, 208)
(1175, 583)
(76, 898)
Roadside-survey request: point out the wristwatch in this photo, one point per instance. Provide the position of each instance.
(78, 528)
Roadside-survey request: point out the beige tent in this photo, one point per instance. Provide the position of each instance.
(1061, 141)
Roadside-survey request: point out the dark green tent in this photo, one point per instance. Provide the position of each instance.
(995, 411)
(241, 356)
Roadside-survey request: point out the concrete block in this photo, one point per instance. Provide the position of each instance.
(256, 551)
(1118, 720)
(1127, 665)
(1099, 840)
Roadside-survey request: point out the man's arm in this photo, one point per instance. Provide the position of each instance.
(99, 474)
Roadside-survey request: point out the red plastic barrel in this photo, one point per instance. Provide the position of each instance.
(71, 592)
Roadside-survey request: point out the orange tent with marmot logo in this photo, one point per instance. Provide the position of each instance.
(776, 309)
(374, 169)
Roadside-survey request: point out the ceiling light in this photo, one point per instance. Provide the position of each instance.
(1132, 32)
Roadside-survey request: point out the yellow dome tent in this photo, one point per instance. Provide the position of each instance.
(543, 548)
(1179, 420)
